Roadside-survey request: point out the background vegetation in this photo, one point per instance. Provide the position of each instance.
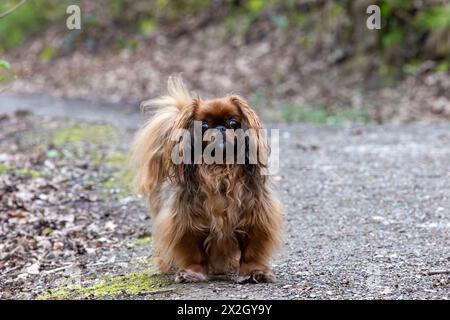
(414, 38)
(412, 31)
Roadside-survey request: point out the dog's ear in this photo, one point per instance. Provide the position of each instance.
(179, 149)
(256, 133)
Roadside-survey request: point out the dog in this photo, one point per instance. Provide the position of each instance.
(208, 218)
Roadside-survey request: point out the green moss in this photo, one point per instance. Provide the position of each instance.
(122, 180)
(117, 160)
(48, 231)
(335, 11)
(143, 263)
(95, 134)
(256, 6)
(136, 284)
(237, 24)
(319, 115)
(147, 25)
(143, 242)
(47, 54)
(443, 67)
(4, 169)
(29, 172)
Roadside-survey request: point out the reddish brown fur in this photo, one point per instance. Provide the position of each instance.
(221, 220)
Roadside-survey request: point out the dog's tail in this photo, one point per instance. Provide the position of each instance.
(148, 146)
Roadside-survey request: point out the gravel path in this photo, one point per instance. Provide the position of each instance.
(368, 214)
(368, 210)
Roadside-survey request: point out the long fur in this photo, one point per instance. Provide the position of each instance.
(207, 219)
(148, 145)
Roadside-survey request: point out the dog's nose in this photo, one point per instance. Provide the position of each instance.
(221, 129)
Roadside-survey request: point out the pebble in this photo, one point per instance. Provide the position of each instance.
(33, 269)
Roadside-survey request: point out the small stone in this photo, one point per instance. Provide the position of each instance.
(110, 225)
(58, 245)
(43, 197)
(22, 276)
(386, 291)
(33, 269)
(24, 196)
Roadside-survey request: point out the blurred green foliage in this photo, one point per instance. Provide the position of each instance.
(411, 31)
(5, 71)
(28, 19)
(435, 18)
(418, 30)
(318, 114)
(256, 5)
(5, 65)
(47, 54)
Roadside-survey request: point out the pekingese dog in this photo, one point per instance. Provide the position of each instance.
(212, 214)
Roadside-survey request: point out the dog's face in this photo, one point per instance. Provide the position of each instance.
(218, 114)
(219, 118)
(227, 119)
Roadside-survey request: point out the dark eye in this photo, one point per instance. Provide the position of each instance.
(205, 126)
(234, 124)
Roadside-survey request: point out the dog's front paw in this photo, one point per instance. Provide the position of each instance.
(187, 276)
(257, 276)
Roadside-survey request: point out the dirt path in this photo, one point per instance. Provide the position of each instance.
(368, 211)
